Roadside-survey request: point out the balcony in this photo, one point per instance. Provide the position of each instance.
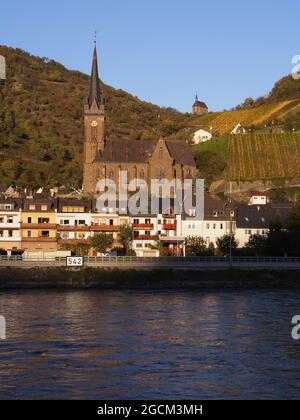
(39, 239)
(42, 226)
(145, 226)
(168, 226)
(146, 238)
(104, 228)
(70, 228)
(62, 242)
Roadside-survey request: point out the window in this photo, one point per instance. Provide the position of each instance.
(45, 234)
(1, 219)
(215, 226)
(31, 206)
(81, 222)
(142, 174)
(73, 209)
(111, 174)
(221, 226)
(207, 226)
(139, 245)
(10, 233)
(161, 174)
(148, 221)
(42, 220)
(29, 220)
(29, 234)
(44, 207)
(1, 233)
(94, 133)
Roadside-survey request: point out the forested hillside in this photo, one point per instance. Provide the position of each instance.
(41, 129)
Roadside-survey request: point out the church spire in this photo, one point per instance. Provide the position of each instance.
(95, 92)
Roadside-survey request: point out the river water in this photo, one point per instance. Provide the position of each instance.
(149, 345)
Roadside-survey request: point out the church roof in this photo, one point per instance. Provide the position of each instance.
(121, 151)
(201, 104)
(180, 152)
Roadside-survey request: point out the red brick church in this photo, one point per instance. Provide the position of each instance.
(152, 159)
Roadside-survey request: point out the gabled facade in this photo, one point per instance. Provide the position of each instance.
(38, 226)
(73, 220)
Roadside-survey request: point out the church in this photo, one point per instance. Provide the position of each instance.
(146, 160)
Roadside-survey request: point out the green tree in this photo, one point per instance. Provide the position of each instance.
(195, 246)
(125, 236)
(226, 243)
(101, 242)
(258, 245)
(293, 218)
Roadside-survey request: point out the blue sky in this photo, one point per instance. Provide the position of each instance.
(163, 51)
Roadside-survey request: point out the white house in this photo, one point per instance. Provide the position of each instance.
(202, 136)
(10, 225)
(258, 199)
(256, 220)
(238, 129)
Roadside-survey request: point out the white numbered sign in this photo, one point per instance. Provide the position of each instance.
(75, 261)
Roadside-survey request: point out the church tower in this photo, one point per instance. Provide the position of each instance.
(94, 123)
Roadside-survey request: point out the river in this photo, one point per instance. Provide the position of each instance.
(149, 345)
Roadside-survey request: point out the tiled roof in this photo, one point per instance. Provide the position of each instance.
(122, 151)
(261, 217)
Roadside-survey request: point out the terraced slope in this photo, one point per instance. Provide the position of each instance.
(263, 156)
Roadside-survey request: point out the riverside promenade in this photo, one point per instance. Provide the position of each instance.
(167, 263)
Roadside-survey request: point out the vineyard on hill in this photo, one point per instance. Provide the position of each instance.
(263, 156)
(225, 122)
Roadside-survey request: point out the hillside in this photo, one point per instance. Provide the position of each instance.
(250, 157)
(263, 156)
(41, 130)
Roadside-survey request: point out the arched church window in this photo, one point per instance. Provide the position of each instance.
(111, 174)
(142, 174)
(94, 133)
(161, 174)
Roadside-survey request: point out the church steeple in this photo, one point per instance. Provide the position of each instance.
(94, 120)
(95, 91)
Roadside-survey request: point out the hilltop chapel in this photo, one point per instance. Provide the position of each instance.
(151, 159)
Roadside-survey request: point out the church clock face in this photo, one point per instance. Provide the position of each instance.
(94, 124)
